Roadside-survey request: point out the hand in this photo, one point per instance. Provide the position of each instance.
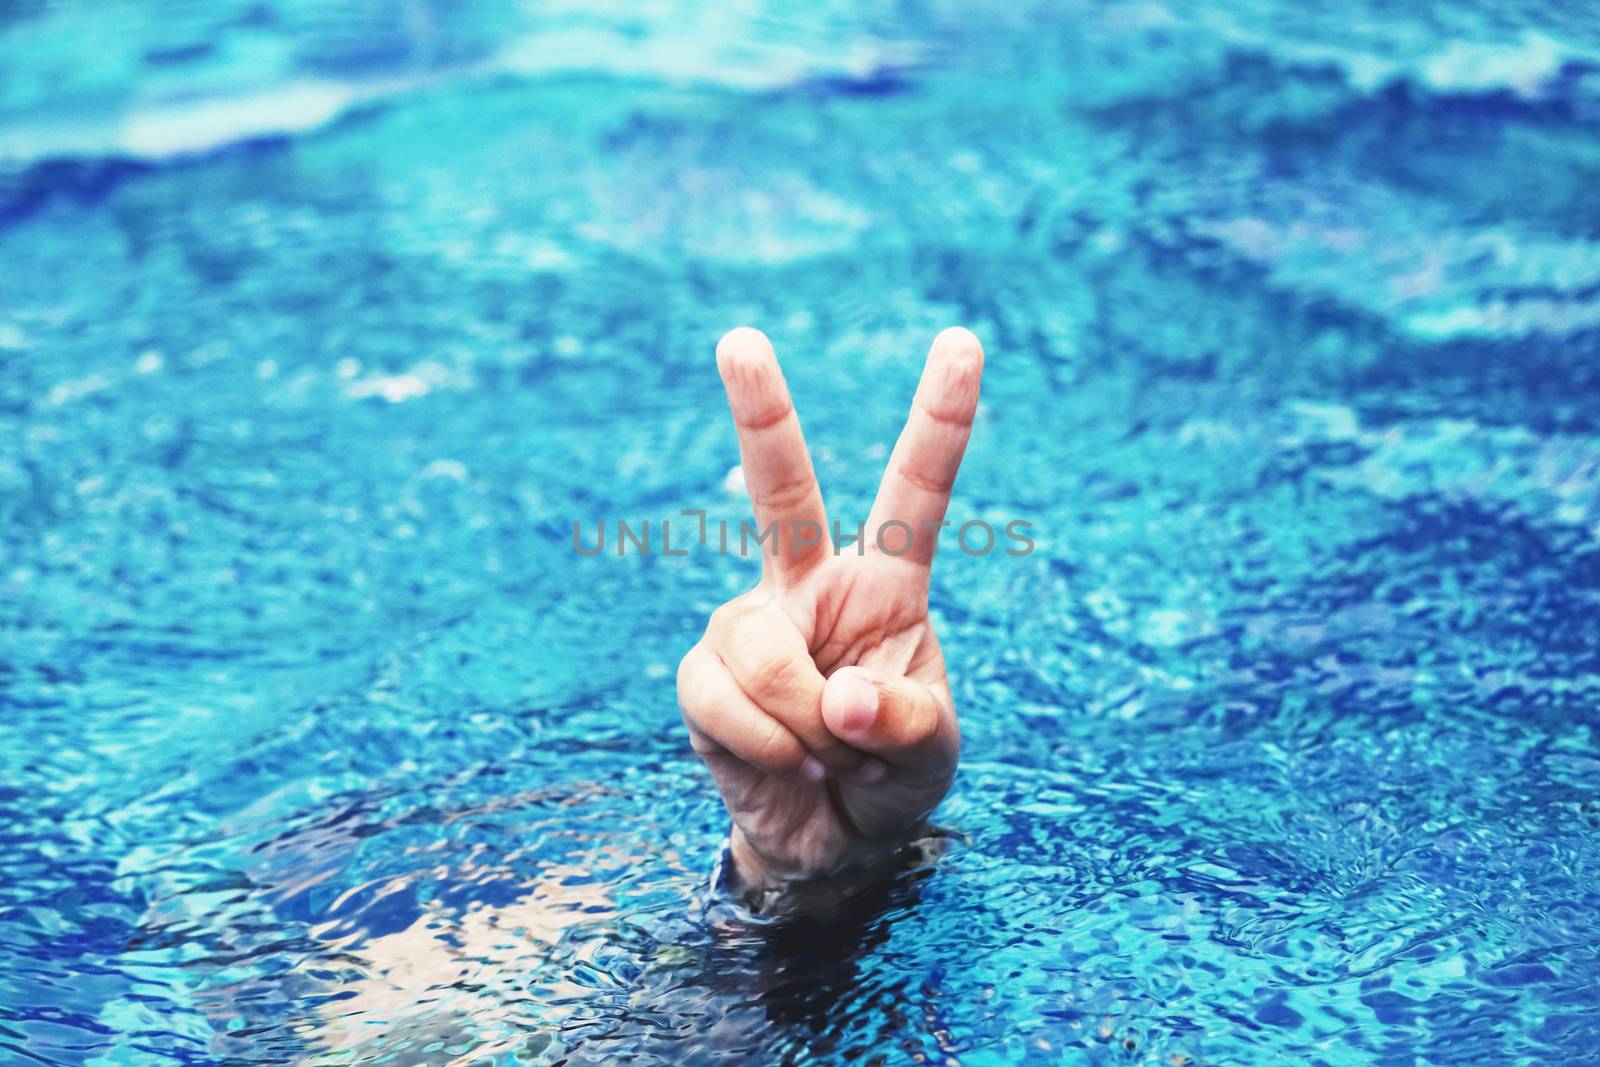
(819, 699)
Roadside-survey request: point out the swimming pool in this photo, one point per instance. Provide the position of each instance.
(321, 323)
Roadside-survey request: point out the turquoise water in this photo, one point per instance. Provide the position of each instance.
(321, 323)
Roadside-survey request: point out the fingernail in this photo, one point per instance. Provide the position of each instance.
(812, 769)
(860, 704)
(873, 770)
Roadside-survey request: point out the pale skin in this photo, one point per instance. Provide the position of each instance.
(819, 700)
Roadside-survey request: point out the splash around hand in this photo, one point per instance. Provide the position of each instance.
(819, 700)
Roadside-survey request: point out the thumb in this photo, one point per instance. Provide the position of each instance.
(900, 721)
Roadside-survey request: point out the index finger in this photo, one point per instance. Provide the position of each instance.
(777, 468)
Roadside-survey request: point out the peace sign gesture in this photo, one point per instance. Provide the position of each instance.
(819, 699)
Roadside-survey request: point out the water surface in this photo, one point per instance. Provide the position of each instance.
(321, 323)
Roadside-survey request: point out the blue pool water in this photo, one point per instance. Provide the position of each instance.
(322, 321)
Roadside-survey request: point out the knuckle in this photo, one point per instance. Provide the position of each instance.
(775, 750)
(701, 742)
(733, 616)
(688, 668)
(921, 723)
(786, 496)
(774, 677)
(722, 618)
(927, 481)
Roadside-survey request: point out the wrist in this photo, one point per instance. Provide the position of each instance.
(754, 872)
(770, 887)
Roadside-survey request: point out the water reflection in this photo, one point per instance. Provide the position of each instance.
(454, 962)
